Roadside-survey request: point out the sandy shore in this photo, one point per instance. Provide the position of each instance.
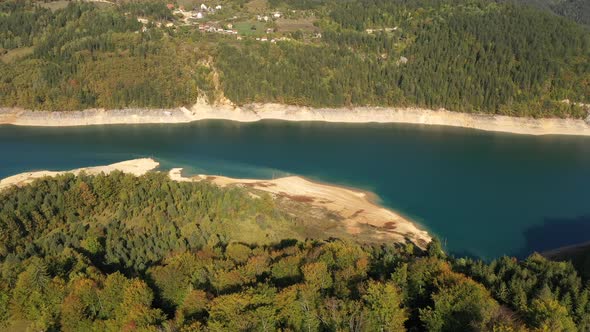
(136, 167)
(354, 208)
(257, 112)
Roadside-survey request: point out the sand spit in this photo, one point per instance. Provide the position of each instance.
(136, 167)
(355, 207)
(256, 112)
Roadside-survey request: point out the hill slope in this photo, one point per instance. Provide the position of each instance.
(468, 56)
(115, 252)
(577, 10)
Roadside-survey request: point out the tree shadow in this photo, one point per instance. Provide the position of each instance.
(555, 233)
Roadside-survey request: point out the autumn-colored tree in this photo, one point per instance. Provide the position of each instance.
(317, 275)
(547, 314)
(384, 307)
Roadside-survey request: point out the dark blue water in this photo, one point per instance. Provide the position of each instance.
(484, 194)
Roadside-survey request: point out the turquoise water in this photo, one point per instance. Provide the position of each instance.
(484, 194)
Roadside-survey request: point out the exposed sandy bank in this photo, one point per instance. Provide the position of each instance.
(136, 167)
(256, 112)
(354, 207)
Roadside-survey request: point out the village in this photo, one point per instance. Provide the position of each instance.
(262, 26)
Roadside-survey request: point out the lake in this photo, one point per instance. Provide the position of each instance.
(483, 194)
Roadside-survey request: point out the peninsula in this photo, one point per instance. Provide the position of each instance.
(342, 211)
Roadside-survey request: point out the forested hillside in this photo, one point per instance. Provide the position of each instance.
(577, 10)
(468, 56)
(119, 253)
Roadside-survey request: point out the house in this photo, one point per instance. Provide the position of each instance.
(276, 15)
(198, 15)
(142, 20)
(230, 26)
(170, 6)
(270, 30)
(204, 6)
(218, 7)
(263, 39)
(169, 24)
(265, 18)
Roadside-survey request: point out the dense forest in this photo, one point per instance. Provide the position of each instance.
(577, 10)
(88, 57)
(469, 56)
(477, 58)
(120, 253)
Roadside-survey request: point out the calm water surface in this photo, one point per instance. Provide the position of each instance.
(484, 194)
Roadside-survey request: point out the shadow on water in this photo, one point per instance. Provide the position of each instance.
(465, 254)
(555, 233)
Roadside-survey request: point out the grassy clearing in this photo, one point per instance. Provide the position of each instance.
(257, 6)
(188, 4)
(103, 4)
(55, 5)
(15, 54)
(250, 28)
(292, 25)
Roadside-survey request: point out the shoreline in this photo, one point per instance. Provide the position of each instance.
(258, 112)
(136, 167)
(356, 210)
